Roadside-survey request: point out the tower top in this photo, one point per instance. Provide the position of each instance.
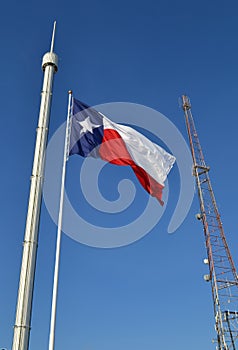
(186, 102)
(50, 58)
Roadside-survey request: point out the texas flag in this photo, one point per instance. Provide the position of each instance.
(94, 135)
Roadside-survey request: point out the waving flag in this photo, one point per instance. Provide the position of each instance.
(94, 135)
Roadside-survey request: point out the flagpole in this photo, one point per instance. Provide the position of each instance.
(59, 229)
(27, 276)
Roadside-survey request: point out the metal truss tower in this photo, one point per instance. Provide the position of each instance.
(222, 272)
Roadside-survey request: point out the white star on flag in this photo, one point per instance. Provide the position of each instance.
(87, 125)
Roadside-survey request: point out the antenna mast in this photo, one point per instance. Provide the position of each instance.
(222, 272)
(27, 276)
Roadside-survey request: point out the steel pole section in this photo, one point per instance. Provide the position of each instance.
(26, 283)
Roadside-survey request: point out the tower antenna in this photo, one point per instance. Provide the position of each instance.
(222, 272)
(53, 38)
(25, 292)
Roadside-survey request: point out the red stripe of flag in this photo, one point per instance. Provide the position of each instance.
(113, 150)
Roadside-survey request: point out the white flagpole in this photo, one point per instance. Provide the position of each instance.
(26, 283)
(59, 230)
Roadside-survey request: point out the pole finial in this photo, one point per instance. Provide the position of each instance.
(53, 37)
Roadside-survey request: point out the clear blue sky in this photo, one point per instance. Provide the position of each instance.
(150, 294)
